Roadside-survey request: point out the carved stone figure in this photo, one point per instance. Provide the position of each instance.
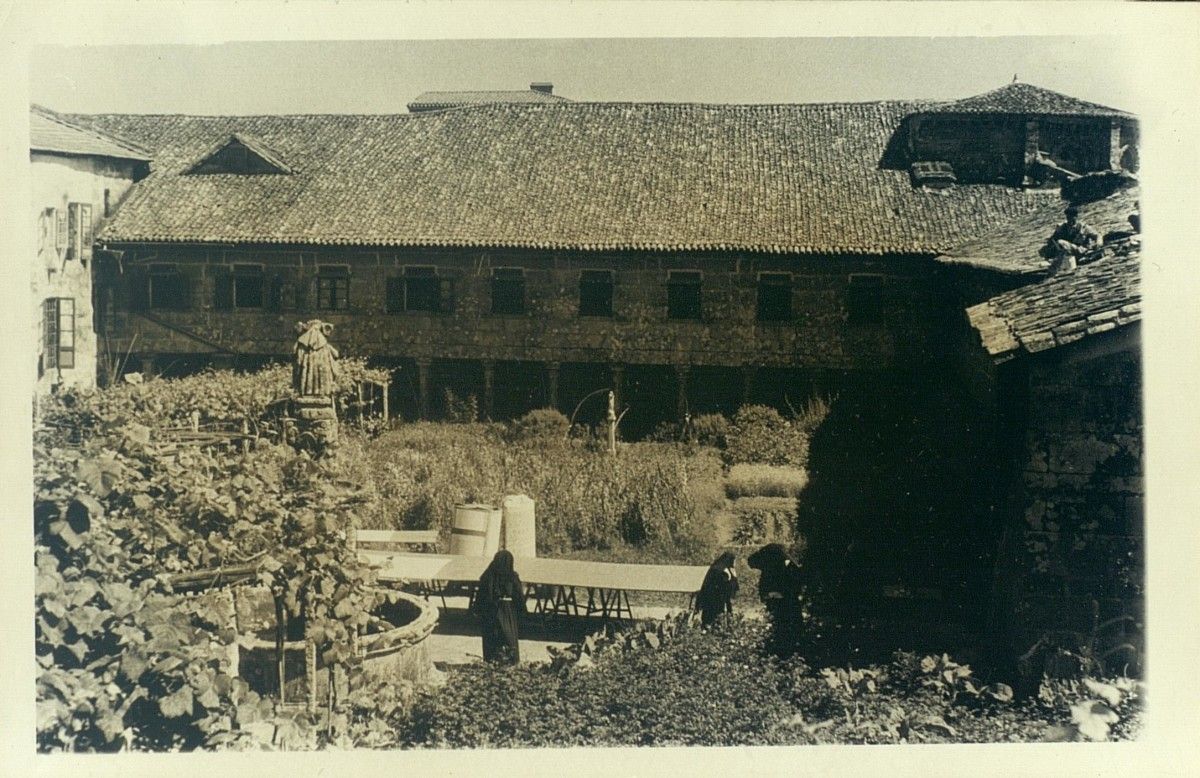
(314, 371)
(314, 380)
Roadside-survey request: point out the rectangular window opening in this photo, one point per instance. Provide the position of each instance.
(248, 286)
(774, 297)
(166, 288)
(422, 290)
(596, 293)
(333, 288)
(683, 294)
(864, 300)
(508, 290)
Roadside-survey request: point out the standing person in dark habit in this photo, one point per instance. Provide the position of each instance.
(718, 590)
(499, 602)
(779, 588)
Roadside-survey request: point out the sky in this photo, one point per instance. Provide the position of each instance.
(383, 76)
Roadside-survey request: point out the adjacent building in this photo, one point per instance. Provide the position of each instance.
(79, 176)
(538, 92)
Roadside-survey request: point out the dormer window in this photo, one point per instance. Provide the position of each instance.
(934, 175)
(241, 154)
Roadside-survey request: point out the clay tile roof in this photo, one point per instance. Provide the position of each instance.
(50, 132)
(431, 101)
(1013, 247)
(1096, 298)
(587, 176)
(1019, 98)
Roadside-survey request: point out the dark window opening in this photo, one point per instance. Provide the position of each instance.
(774, 297)
(508, 290)
(58, 327)
(166, 288)
(864, 299)
(683, 294)
(421, 289)
(596, 293)
(333, 288)
(248, 286)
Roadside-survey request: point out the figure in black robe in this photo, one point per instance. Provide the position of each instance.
(716, 593)
(780, 589)
(499, 602)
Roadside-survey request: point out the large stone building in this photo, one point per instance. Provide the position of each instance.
(79, 176)
(691, 256)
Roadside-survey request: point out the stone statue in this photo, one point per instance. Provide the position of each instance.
(314, 381)
(314, 372)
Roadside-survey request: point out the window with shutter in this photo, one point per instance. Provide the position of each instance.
(72, 231)
(58, 326)
(61, 230)
(333, 287)
(85, 232)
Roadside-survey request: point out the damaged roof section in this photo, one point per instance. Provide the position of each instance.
(1013, 247)
(1100, 296)
(585, 176)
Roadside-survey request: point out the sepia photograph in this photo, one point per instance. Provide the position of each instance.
(425, 393)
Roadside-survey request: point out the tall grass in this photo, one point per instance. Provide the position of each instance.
(765, 481)
(648, 495)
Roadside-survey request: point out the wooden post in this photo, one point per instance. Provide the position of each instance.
(489, 394)
(612, 423)
(423, 366)
(681, 395)
(552, 384)
(386, 387)
(280, 636)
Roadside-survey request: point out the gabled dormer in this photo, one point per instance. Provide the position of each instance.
(1018, 135)
(241, 154)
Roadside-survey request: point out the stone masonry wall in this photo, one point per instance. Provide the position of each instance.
(820, 334)
(1079, 538)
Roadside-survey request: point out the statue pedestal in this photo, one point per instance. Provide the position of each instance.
(316, 422)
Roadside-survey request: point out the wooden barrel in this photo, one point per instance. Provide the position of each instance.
(475, 530)
(520, 527)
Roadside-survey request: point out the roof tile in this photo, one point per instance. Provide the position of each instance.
(592, 176)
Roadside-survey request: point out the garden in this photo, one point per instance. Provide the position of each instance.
(133, 506)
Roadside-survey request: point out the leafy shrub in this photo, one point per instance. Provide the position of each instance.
(759, 434)
(460, 410)
(542, 424)
(702, 687)
(747, 480)
(219, 398)
(710, 429)
(763, 520)
(810, 415)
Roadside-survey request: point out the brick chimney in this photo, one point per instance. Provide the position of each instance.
(544, 87)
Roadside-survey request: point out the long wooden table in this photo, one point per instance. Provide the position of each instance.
(551, 582)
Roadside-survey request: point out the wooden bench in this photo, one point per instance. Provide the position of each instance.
(406, 537)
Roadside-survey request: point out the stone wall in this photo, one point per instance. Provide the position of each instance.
(1074, 552)
(819, 335)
